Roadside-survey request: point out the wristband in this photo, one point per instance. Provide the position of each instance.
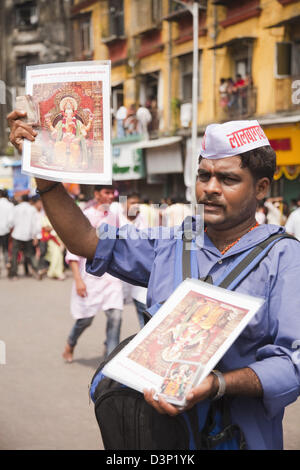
(222, 385)
(43, 191)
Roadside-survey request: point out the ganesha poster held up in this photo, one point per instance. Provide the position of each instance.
(73, 142)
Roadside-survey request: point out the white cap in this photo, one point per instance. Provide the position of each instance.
(232, 138)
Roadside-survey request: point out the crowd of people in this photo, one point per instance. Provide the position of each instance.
(30, 244)
(235, 95)
(28, 239)
(137, 121)
(277, 211)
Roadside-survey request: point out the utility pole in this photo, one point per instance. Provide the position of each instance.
(195, 12)
(193, 8)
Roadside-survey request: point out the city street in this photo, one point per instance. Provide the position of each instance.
(44, 401)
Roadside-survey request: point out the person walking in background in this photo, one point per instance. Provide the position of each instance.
(91, 294)
(292, 225)
(129, 212)
(26, 228)
(55, 252)
(42, 263)
(274, 215)
(6, 223)
(261, 213)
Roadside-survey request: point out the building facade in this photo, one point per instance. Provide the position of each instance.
(249, 67)
(32, 32)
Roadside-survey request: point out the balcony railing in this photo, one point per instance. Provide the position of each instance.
(239, 104)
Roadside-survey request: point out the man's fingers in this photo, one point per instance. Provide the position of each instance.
(171, 410)
(18, 124)
(161, 405)
(148, 394)
(15, 115)
(23, 133)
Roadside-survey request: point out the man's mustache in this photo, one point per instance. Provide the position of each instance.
(212, 201)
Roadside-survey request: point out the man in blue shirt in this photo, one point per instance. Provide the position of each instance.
(260, 372)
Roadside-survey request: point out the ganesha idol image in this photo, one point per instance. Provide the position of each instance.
(69, 133)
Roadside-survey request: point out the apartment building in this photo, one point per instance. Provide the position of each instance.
(249, 56)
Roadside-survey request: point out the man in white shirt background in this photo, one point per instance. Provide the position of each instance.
(6, 223)
(292, 225)
(26, 228)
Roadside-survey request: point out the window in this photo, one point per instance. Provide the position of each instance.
(83, 37)
(156, 10)
(283, 59)
(112, 19)
(147, 15)
(186, 73)
(296, 59)
(117, 97)
(116, 18)
(26, 15)
(24, 61)
(175, 6)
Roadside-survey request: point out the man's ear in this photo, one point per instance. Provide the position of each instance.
(262, 188)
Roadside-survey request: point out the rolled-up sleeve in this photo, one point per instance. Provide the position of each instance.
(277, 365)
(126, 253)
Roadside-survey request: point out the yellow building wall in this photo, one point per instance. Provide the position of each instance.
(215, 64)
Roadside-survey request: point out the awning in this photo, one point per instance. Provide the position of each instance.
(279, 120)
(293, 19)
(163, 155)
(146, 144)
(234, 41)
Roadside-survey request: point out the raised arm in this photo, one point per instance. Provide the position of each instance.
(67, 219)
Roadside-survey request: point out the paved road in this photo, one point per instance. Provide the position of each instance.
(44, 402)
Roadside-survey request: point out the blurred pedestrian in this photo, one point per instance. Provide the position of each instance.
(26, 228)
(223, 93)
(41, 248)
(6, 223)
(121, 115)
(90, 294)
(274, 215)
(55, 252)
(292, 225)
(176, 212)
(261, 213)
(130, 122)
(144, 118)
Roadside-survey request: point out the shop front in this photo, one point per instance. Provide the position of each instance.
(164, 168)
(284, 138)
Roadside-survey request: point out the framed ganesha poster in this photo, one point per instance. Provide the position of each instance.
(73, 142)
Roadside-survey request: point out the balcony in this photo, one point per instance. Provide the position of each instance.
(112, 15)
(237, 103)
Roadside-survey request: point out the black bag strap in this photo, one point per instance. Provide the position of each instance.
(257, 250)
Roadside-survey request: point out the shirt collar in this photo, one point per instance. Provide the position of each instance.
(249, 240)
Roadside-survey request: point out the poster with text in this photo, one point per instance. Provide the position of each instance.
(73, 142)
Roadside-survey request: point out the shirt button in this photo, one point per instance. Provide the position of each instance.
(220, 261)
